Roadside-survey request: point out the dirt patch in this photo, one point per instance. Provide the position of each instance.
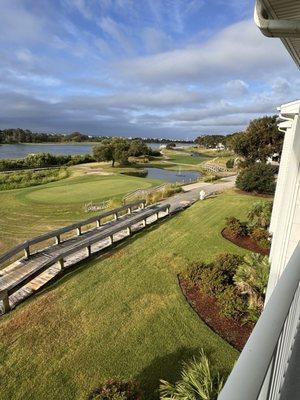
(245, 242)
(207, 308)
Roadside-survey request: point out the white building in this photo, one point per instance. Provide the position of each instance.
(269, 366)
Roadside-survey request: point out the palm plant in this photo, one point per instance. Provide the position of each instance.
(260, 214)
(199, 381)
(251, 278)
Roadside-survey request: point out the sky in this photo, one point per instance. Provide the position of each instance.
(147, 68)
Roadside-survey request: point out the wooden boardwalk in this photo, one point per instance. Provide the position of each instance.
(25, 276)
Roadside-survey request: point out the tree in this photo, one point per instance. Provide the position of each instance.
(138, 148)
(210, 141)
(114, 150)
(261, 140)
(258, 177)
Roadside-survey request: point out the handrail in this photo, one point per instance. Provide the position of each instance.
(259, 371)
(57, 232)
(10, 289)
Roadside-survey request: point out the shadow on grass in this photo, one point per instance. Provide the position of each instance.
(167, 367)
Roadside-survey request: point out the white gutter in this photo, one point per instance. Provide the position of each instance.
(282, 28)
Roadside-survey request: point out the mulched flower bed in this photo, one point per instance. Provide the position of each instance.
(207, 308)
(245, 242)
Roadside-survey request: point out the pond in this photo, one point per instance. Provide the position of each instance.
(172, 176)
(22, 150)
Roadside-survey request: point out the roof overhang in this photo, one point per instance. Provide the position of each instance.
(280, 18)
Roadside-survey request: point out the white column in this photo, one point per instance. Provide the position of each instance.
(285, 211)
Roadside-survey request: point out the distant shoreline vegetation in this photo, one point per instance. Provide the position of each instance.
(23, 136)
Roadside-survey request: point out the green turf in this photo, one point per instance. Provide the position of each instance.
(185, 158)
(121, 315)
(27, 212)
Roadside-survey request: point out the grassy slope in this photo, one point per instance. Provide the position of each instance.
(119, 316)
(30, 211)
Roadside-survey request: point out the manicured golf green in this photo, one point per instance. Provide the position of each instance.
(120, 315)
(30, 211)
(185, 158)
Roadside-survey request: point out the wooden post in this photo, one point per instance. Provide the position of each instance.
(156, 216)
(129, 230)
(89, 252)
(116, 216)
(129, 210)
(61, 263)
(111, 239)
(57, 239)
(78, 230)
(142, 205)
(27, 252)
(144, 222)
(5, 299)
(98, 223)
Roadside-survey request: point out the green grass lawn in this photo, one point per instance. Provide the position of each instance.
(30, 211)
(120, 315)
(185, 158)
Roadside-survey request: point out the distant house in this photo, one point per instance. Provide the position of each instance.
(219, 147)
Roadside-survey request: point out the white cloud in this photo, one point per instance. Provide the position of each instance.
(238, 51)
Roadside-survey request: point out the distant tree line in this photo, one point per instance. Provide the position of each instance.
(10, 136)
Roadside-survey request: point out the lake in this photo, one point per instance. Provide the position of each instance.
(172, 176)
(22, 150)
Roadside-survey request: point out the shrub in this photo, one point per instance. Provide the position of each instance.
(194, 272)
(236, 227)
(199, 381)
(213, 278)
(258, 177)
(116, 390)
(232, 304)
(230, 163)
(211, 178)
(261, 236)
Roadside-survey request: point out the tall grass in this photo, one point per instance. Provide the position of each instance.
(23, 179)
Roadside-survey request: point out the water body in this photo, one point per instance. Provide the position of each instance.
(22, 150)
(172, 176)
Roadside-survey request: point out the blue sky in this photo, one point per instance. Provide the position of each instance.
(155, 68)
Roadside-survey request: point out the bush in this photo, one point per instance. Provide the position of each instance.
(43, 160)
(258, 177)
(236, 227)
(116, 390)
(210, 178)
(232, 304)
(199, 381)
(230, 163)
(213, 278)
(22, 179)
(261, 236)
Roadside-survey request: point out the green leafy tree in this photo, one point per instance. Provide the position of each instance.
(114, 150)
(258, 177)
(261, 140)
(199, 381)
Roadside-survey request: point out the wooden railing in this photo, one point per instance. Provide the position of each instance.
(10, 286)
(25, 246)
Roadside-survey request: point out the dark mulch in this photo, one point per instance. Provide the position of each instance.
(207, 308)
(245, 242)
